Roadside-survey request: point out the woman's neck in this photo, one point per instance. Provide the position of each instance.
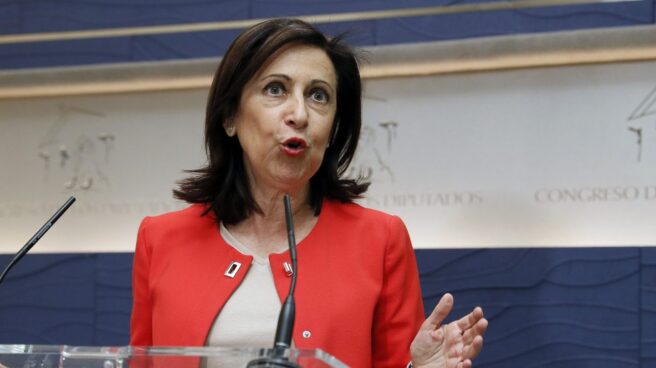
(266, 232)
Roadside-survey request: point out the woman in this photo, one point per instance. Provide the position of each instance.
(283, 117)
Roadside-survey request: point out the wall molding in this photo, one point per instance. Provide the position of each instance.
(606, 45)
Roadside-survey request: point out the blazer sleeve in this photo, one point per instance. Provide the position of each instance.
(141, 321)
(399, 311)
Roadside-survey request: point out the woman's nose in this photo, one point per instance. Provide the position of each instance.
(297, 114)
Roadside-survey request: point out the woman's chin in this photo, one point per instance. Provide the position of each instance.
(291, 181)
(291, 184)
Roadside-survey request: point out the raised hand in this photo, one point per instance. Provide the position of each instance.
(453, 345)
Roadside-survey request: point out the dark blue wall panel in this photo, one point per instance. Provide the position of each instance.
(38, 16)
(73, 299)
(497, 23)
(547, 307)
(33, 16)
(648, 307)
(553, 307)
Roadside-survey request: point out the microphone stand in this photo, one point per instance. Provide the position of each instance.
(30, 243)
(283, 339)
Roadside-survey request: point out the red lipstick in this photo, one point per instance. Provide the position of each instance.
(294, 147)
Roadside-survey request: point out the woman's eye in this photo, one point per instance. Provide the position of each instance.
(319, 95)
(274, 89)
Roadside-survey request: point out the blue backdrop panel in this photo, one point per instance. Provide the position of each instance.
(497, 23)
(74, 299)
(35, 16)
(547, 307)
(555, 307)
(648, 307)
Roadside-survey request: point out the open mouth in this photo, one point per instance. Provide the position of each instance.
(295, 143)
(294, 146)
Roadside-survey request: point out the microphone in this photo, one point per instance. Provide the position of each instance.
(283, 338)
(30, 243)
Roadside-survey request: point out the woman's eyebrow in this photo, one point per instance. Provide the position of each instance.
(321, 81)
(276, 75)
(288, 78)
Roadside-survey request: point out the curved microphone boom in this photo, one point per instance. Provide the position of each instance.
(285, 328)
(30, 243)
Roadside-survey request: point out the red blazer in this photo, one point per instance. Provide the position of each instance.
(357, 294)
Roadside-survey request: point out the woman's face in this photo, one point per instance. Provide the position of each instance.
(285, 118)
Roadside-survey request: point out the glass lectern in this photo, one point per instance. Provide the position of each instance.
(47, 356)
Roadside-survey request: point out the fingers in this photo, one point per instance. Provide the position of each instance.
(465, 364)
(472, 350)
(462, 338)
(473, 327)
(477, 330)
(470, 320)
(442, 309)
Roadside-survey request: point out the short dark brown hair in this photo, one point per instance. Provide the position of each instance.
(223, 183)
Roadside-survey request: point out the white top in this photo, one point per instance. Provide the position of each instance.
(249, 317)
